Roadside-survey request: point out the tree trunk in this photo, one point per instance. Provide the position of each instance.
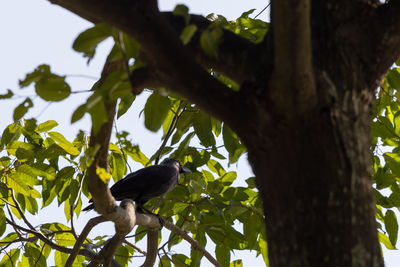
(314, 176)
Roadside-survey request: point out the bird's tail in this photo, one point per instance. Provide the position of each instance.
(88, 208)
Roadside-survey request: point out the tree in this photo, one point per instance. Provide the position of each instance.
(298, 92)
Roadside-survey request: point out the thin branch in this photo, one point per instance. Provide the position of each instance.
(120, 147)
(76, 203)
(135, 247)
(164, 51)
(20, 211)
(265, 8)
(82, 237)
(169, 132)
(192, 242)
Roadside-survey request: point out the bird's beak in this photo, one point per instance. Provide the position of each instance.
(186, 170)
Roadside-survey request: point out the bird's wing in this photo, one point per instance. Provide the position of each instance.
(148, 181)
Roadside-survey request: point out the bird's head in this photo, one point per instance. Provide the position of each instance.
(176, 164)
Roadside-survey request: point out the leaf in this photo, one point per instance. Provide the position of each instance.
(39, 73)
(16, 181)
(8, 95)
(132, 47)
(236, 263)
(223, 255)
(78, 113)
(391, 226)
(47, 126)
(209, 44)
(187, 33)
(60, 258)
(203, 128)
(11, 258)
(63, 143)
(53, 88)
(125, 104)
(22, 109)
(118, 168)
(182, 10)
(155, 111)
(2, 222)
(103, 174)
(87, 41)
(393, 78)
(385, 240)
(264, 249)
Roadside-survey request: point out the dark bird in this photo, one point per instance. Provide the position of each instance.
(147, 183)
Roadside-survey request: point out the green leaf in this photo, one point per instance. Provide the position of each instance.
(118, 167)
(236, 263)
(223, 255)
(60, 258)
(22, 109)
(125, 104)
(203, 128)
(88, 40)
(187, 33)
(103, 174)
(53, 88)
(391, 226)
(11, 258)
(155, 111)
(34, 253)
(17, 182)
(209, 44)
(63, 143)
(9, 94)
(2, 222)
(263, 248)
(385, 240)
(182, 10)
(47, 126)
(39, 73)
(183, 146)
(132, 47)
(78, 113)
(393, 78)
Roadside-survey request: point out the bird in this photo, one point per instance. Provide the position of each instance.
(147, 183)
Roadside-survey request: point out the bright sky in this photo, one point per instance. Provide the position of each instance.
(35, 32)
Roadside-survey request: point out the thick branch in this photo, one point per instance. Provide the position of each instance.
(388, 24)
(152, 244)
(238, 58)
(164, 50)
(292, 81)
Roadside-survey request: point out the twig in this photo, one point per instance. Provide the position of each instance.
(20, 211)
(135, 247)
(262, 10)
(74, 205)
(120, 147)
(193, 242)
(169, 132)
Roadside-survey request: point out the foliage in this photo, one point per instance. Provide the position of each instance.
(385, 136)
(39, 165)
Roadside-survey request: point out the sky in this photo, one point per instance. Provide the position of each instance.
(35, 32)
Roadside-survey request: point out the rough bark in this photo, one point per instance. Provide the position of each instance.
(310, 153)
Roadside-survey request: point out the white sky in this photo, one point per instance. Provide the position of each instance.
(35, 32)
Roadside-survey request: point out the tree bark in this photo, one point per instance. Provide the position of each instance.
(303, 113)
(314, 177)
